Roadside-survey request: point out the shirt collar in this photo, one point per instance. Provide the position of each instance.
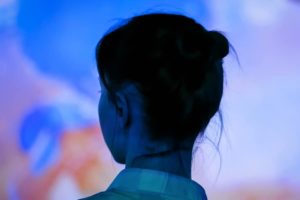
(146, 180)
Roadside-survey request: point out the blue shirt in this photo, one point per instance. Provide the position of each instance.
(145, 184)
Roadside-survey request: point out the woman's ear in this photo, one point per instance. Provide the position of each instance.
(122, 108)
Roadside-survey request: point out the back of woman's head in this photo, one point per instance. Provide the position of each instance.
(174, 62)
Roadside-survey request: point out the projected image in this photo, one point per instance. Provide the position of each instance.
(60, 151)
(51, 141)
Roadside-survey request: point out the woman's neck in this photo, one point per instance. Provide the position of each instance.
(175, 162)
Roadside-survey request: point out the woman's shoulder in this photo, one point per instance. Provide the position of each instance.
(114, 194)
(146, 184)
(125, 195)
(109, 195)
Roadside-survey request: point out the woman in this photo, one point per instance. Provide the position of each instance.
(162, 81)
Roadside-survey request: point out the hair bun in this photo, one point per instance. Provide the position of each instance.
(220, 45)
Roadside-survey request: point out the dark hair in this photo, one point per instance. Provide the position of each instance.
(176, 64)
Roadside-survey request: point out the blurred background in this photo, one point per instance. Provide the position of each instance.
(51, 145)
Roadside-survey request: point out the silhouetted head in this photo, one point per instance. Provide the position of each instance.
(176, 66)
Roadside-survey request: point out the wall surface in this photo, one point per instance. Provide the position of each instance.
(50, 139)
